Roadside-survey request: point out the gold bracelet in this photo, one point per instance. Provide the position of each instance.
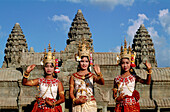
(149, 72)
(26, 73)
(26, 76)
(74, 99)
(32, 82)
(62, 92)
(149, 68)
(114, 89)
(71, 85)
(99, 74)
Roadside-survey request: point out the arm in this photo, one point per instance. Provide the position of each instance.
(149, 72)
(115, 90)
(98, 79)
(61, 94)
(75, 100)
(26, 82)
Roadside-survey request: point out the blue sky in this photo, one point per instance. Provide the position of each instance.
(109, 21)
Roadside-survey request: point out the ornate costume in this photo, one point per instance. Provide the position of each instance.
(127, 85)
(48, 89)
(84, 89)
(83, 85)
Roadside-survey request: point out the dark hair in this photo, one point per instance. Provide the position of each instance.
(79, 67)
(55, 74)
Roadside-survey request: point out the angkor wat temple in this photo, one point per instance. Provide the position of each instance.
(16, 97)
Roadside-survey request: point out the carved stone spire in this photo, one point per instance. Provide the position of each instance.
(144, 48)
(79, 29)
(16, 44)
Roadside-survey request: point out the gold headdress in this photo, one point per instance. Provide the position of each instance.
(83, 50)
(49, 56)
(126, 53)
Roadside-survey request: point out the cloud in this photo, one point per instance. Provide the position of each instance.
(105, 4)
(122, 24)
(117, 49)
(75, 1)
(164, 18)
(157, 40)
(111, 4)
(2, 34)
(161, 47)
(154, 21)
(135, 25)
(61, 20)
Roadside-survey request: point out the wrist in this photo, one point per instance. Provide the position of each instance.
(74, 100)
(53, 104)
(26, 75)
(99, 73)
(149, 68)
(149, 72)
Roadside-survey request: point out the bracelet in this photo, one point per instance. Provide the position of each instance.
(71, 85)
(149, 72)
(32, 82)
(149, 68)
(26, 73)
(74, 99)
(26, 76)
(62, 92)
(114, 89)
(99, 74)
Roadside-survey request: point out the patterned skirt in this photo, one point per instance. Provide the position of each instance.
(89, 106)
(40, 106)
(128, 105)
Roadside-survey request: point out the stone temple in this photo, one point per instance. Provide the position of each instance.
(15, 97)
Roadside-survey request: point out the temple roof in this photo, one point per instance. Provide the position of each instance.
(158, 74)
(9, 74)
(29, 58)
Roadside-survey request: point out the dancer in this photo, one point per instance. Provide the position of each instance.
(124, 93)
(82, 82)
(48, 85)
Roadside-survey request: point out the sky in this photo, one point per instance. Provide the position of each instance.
(110, 21)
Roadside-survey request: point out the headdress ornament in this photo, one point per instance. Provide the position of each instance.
(84, 49)
(126, 53)
(49, 57)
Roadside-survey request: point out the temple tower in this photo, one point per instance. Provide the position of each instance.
(16, 44)
(79, 28)
(144, 48)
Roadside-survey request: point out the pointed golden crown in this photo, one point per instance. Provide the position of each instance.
(84, 48)
(124, 52)
(49, 57)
